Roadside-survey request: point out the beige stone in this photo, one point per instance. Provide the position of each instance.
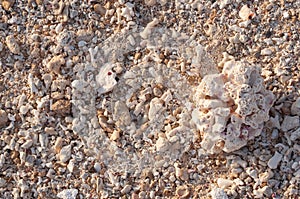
(7, 4)
(3, 118)
(62, 107)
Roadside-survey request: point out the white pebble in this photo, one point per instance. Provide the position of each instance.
(161, 144)
(97, 167)
(71, 166)
(266, 51)
(126, 189)
(224, 183)
(65, 153)
(68, 194)
(286, 15)
(24, 109)
(274, 161)
(81, 43)
(245, 12)
(2, 182)
(27, 144)
(218, 193)
(59, 28)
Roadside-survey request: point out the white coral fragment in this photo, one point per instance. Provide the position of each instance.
(231, 107)
(106, 78)
(245, 13)
(156, 106)
(147, 31)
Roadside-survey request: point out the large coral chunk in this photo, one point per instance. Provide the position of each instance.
(231, 107)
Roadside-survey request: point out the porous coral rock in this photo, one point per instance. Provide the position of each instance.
(231, 107)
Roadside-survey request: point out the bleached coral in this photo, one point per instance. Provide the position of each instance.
(231, 107)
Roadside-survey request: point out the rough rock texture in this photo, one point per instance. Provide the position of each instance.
(3, 118)
(61, 107)
(231, 107)
(218, 193)
(68, 194)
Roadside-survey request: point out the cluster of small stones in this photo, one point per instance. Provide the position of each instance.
(65, 133)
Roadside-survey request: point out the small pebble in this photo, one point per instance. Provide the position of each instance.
(126, 189)
(274, 161)
(65, 153)
(97, 167)
(99, 9)
(295, 109)
(245, 13)
(266, 51)
(224, 183)
(12, 44)
(68, 194)
(218, 193)
(290, 122)
(3, 118)
(7, 4)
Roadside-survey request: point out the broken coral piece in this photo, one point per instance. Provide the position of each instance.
(231, 107)
(106, 78)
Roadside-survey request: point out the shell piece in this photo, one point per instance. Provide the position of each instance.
(245, 13)
(61, 107)
(295, 135)
(231, 107)
(106, 78)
